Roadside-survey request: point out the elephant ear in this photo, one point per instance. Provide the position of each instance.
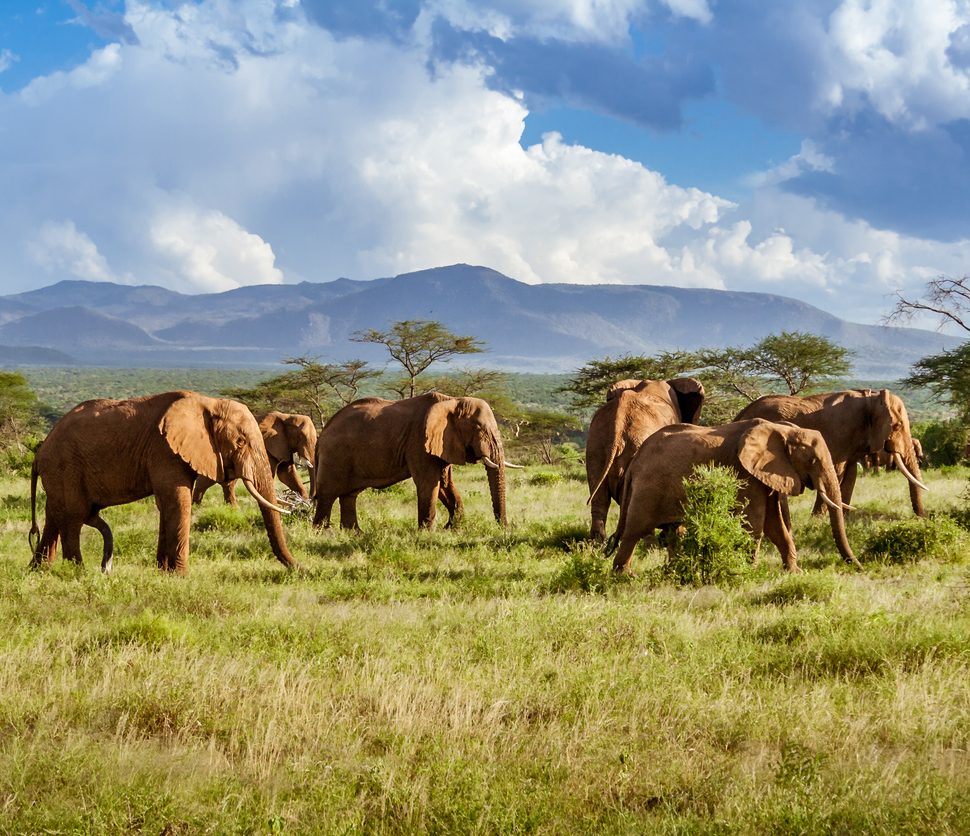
(187, 427)
(442, 437)
(622, 386)
(690, 397)
(273, 429)
(879, 420)
(763, 452)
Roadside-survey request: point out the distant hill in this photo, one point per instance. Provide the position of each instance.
(548, 327)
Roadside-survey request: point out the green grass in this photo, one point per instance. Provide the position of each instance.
(480, 680)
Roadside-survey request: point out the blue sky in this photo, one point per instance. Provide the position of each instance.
(814, 148)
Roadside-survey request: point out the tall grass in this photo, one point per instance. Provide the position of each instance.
(458, 681)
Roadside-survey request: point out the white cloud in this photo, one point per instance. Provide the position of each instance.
(230, 145)
(100, 67)
(209, 252)
(60, 247)
(894, 53)
(7, 59)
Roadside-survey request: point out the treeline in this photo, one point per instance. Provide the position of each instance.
(544, 416)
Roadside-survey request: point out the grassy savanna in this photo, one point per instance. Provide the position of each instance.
(467, 681)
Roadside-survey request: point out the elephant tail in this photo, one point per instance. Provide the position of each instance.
(33, 537)
(614, 452)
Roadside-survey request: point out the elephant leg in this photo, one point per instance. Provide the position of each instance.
(229, 493)
(847, 482)
(47, 547)
(348, 511)
(107, 552)
(290, 477)
(779, 533)
(321, 515)
(175, 511)
(754, 503)
(427, 497)
(599, 509)
(202, 484)
(451, 499)
(71, 540)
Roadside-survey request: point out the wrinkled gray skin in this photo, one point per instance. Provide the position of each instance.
(108, 452)
(285, 435)
(375, 443)
(633, 410)
(854, 423)
(772, 460)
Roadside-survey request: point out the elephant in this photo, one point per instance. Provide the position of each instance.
(111, 452)
(375, 443)
(773, 461)
(853, 423)
(872, 462)
(633, 410)
(287, 437)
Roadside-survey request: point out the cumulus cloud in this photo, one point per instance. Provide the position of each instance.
(881, 90)
(59, 247)
(228, 144)
(210, 252)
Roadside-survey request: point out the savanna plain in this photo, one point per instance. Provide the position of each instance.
(482, 680)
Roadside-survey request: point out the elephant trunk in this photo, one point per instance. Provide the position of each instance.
(272, 519)
(829, 484)
(911, 463)
(495, 468)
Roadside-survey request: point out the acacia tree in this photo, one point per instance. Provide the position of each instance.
(416, 344)
(798, 360)
(591, 382)
(948, 373)
(314, 388)
(20, 421)
(944, 298)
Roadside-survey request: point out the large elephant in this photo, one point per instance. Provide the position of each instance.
(853, 423)
(287, 436)
(633, 410)
(108, 452)
(772, 460)
(374, 443)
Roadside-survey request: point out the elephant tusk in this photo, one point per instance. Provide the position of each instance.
(847, 507)
(515, 466)
(905, 471)
(262, 500)
(828, 501)
(489, 463)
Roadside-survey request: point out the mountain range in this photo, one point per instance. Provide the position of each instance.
(546, 327)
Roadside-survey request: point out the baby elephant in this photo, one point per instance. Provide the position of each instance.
(773, 461)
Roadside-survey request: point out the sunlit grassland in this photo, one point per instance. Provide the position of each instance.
(410, 680)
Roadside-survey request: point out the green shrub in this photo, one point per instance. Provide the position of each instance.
(585, 569)
(796, 588)
(715, 547)
(544, 477)
(911, 540)
(943, 442)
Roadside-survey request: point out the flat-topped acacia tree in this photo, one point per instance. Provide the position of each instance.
(416, 344)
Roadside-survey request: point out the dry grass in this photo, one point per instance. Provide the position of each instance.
(437, 682)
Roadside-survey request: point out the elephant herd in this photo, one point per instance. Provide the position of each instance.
(641, 445)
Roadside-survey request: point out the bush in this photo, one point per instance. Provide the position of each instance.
(944, 442)
(715, 547)
(911, 540)
(584, 570)
(544, 477)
